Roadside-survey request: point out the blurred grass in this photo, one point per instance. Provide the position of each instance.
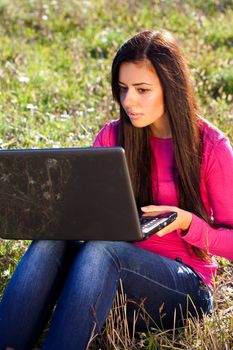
(55, 59)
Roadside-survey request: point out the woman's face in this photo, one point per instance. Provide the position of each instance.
(141, 96)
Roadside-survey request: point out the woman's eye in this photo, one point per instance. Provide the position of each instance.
(122, 88)
(142, 90)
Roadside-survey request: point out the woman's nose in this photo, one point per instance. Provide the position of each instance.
(128, 99)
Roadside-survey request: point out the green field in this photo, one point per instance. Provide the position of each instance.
(55, 62)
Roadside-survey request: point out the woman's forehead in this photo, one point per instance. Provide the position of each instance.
(137, 72)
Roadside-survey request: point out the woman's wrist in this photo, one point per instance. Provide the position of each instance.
(187, 222)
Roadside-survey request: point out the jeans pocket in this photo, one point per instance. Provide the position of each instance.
(205, 297)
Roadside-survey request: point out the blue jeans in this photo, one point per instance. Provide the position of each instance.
(82, 280)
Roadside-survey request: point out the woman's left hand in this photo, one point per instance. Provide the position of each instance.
(182, 221)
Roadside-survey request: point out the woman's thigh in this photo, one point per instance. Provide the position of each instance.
(166, 289)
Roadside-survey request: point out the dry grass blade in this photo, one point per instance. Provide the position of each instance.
(212, 332)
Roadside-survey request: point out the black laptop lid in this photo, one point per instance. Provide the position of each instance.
(79, 193)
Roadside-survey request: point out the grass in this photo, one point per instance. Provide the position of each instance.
(55, 59)
(213, 332)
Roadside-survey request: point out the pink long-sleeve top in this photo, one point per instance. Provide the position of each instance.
(216, 193)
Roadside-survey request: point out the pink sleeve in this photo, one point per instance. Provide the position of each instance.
(107, 136)
(219, 185)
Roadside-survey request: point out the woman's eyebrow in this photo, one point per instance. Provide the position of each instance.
(142, 83)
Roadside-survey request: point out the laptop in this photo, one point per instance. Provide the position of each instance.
(70, 194)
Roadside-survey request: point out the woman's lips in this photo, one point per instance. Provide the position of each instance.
(133, 115)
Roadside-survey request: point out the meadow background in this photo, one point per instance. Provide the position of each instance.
(55, 61)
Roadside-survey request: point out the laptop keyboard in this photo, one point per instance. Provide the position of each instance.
(147, 223)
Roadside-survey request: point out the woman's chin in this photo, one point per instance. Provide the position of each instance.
(138, 123)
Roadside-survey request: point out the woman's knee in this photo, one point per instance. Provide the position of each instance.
(100, 255)
(101, 248)
(42, 256)
(47, 250)
(49, 246)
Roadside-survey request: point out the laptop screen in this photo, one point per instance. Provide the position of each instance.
(66, 194)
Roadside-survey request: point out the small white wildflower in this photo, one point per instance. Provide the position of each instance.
(6, 273)
(23, 79)
(52, 116)
(64, 116)
(104, 32)
(104, 40)
(79, 113)
(31, 106)
(91, 109)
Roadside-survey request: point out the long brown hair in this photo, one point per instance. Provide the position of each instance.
(164, 53)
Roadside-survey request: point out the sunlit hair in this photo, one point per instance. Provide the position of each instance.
(164, 53)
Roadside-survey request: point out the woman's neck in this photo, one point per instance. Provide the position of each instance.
(161, 128)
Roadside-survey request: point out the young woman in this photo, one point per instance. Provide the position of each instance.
(177, 161)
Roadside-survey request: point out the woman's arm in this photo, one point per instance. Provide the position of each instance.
(219, 185)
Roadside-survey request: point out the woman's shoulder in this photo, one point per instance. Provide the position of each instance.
(214, 142)
(211, 134)
(107, 136)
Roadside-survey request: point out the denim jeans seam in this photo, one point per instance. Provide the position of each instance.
(155, 282)
(118, 264)
(101, 293)
(121, 268)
